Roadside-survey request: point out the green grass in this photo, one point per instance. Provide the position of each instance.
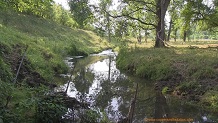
(131, 42)
(48, 43)
(163, 63)
(191, 72)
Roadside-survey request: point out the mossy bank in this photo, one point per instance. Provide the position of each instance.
(189, 73)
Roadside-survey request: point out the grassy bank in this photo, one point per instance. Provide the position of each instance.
(47, 45)
(47, 42)
(189, 73)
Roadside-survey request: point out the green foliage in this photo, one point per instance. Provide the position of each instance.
(187, 86)
(48, 43)
(76, 52)
(16, 109)
(49, 109)
(105, 118)
(90, 116)
(44, 9)
(5, 92)
(210, 99)
(81, 12)
(205, 72)
(62, 16)
(166, 90)
(35, 7)
(29, 104)
(5, 71)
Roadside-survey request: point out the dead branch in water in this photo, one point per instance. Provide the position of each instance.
(129, 117)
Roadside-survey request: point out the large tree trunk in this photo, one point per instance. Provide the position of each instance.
(161, 7)
(170, 27)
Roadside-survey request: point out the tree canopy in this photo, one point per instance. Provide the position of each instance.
(81, 12)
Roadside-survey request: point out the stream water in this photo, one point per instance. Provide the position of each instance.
(96, 80)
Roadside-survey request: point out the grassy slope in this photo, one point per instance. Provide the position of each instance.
(188, 72)
(48, 43)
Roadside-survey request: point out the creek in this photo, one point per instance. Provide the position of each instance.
(96, 80)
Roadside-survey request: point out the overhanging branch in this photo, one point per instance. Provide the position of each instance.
(128, 15)
(132, 18)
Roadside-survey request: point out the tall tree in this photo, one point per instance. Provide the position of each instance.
(161, 8)
(103, 16)
(81, 12)
(195, 11)
(156, 9)
(174, 12)
(207, 13)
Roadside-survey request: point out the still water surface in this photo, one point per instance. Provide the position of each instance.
(96, 80)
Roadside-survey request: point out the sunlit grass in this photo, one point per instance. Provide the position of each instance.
(48, 43)
(132, 42)
(153, 63)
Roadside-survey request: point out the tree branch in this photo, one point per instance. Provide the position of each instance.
(142, 1)
(132, 18)
(144, 28)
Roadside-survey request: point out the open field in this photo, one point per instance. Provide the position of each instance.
(203, 43)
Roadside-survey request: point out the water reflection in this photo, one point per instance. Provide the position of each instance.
(96, 80)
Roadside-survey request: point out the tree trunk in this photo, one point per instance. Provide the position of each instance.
(170, 27)
(146, 36)
(184, 36)
(161, 8)
(175, 33)
(139, 38)
(108, 27)
(109, 71)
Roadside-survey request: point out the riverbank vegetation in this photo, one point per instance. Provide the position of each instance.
(38, 35)
(190, 73)
(45, 43)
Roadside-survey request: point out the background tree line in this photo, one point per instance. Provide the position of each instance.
(135, 18)
(187, 19)
(42, 8)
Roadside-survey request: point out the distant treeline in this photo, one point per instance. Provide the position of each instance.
(41, 8)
